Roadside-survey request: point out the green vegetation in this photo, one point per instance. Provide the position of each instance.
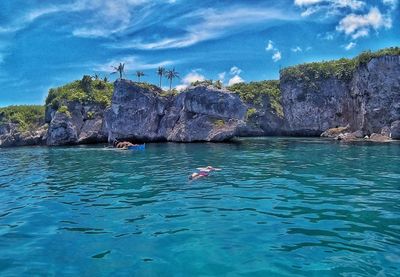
(168, 93)
(148, 86)
(27, 117)
(85, 90)
(250, 112)
(219, 123)
(342, 69)
(64, 109)
(254, 92)
(90, 115)
(217, 84)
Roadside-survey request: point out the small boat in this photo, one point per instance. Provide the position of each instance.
(137, 147)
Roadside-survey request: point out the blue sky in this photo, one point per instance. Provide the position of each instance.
(45, 43)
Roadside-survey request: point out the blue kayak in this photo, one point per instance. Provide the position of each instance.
(137, 147)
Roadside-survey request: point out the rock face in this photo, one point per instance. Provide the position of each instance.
(395, 130)
(10, 135)
(376, 94)
(368, 102)
(197, 114)
(81, 124)
(311, 109)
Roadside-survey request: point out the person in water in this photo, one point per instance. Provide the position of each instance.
(203, 172)
(123, 144)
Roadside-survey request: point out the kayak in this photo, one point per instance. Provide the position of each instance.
(137, 147)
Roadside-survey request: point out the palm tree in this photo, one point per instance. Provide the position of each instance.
(161, 72)
(139, 74)
(119, 69)
(171, 74)
(95, 77)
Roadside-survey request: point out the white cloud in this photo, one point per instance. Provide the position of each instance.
(391, 3)
(296, 49)
(235, 80)
(306, 2)
(276, 56)
(270, 46)
(32, 15)
(131, 63)
(221, 76)
(359, 25)
(235, 70)
(190, 78)
(211, 24)
(349, 46)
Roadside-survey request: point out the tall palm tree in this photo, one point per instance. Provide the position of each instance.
(161, 72)
(119, 69)
(171, 74)
(139, 74)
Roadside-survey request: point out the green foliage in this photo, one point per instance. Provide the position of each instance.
(342, 69)
(64, 109)
(219, 123)
(26, 116)
(85, 90)
(250, 112)
(253, 93)
(168, 93)
(217, 84)
(148, 86)
(90, 115)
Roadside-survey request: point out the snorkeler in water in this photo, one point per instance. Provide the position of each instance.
(208, 169)
(203, 172)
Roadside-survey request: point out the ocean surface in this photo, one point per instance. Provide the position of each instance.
(279, 207)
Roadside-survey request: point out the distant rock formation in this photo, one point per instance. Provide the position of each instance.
(198, 114)
(361, 102)
(369, 101)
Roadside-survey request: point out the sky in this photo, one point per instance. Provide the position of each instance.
(46, 44)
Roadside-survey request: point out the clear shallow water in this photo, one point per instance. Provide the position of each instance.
(280, 207)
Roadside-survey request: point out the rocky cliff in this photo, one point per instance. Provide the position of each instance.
(78, 124)
(198, 114)
(366, 97)
(349, 98)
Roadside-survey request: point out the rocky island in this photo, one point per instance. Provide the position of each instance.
(346, 99)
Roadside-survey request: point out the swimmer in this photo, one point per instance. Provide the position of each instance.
(208, 169)
(199, 175)
(203, 172)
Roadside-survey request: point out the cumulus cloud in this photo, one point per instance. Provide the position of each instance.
(270, 46)
(190, 78)
(350, 46)
(235, 70)
(221, 76)
(357, 25)
(277, 55)
(235, 80)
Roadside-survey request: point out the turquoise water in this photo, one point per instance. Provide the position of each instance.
(279, 207)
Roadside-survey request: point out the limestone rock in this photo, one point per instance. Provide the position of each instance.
(395, 130)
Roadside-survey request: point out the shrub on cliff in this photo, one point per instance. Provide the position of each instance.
(254, 92)
(342, 69)
(27, 116)
(85, 90)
